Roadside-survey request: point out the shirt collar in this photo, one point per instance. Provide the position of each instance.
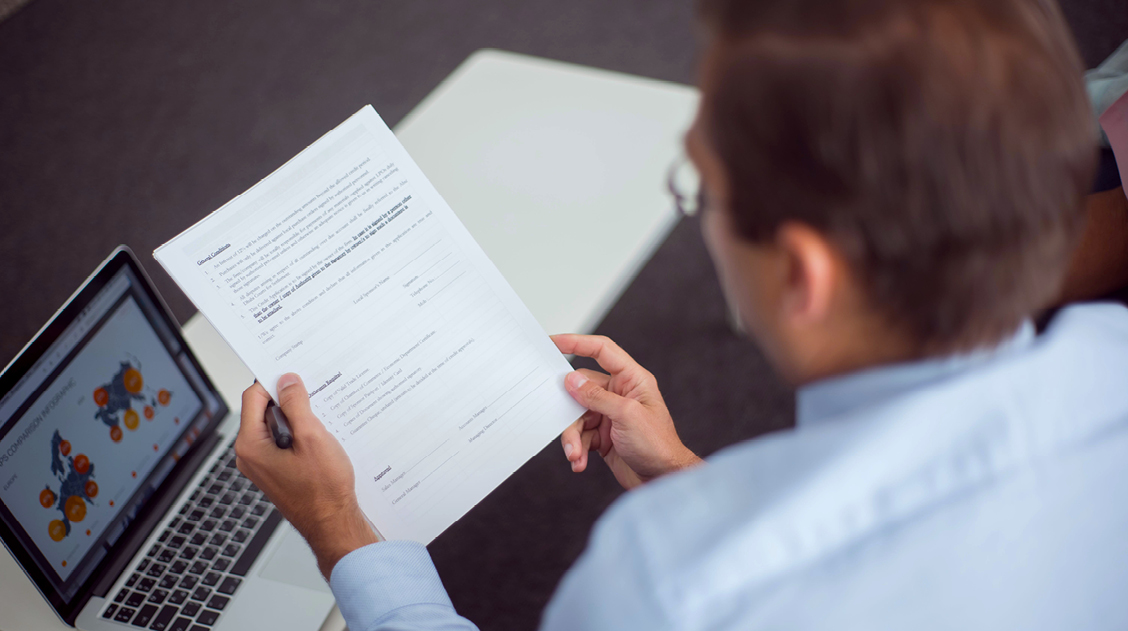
(842, 394)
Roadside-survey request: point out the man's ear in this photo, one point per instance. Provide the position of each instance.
(811, 273)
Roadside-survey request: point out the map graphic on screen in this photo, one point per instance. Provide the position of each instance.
(82, 448)
(76, 487)
(115, 400)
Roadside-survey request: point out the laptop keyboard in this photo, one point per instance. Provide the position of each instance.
(187, 578)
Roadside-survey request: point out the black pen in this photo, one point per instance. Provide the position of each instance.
(279, 426)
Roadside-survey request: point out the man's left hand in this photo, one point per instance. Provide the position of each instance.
(312, 483)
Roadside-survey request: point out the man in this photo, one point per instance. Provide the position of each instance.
(891, 189)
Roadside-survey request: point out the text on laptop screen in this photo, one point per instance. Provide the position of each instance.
(93, 428)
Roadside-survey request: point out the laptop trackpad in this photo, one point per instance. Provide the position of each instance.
(292, 562)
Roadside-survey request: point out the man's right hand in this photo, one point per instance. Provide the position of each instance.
(627, 421)
(312, 483)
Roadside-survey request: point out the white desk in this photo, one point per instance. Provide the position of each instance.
(557, 170)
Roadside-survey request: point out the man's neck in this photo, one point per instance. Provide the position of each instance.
(855, 348)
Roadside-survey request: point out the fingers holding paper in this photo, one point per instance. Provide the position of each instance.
(252, 421)
(627, 420)
(584, 435)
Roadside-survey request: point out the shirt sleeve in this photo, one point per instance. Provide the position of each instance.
(393, 586)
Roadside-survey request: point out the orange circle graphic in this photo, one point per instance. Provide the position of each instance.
(57, 529)
(81, 464)
(64, 447)
(87, 532)
(101, 397)
(75, 508)
(132, 380)
(130, 419)
(115, 434)
(91, 488)
(148, 412)
(46, 498)
(164, 396)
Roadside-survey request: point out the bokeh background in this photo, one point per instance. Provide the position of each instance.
(125, 121)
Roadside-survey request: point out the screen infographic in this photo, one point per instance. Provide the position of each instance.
(86, 444)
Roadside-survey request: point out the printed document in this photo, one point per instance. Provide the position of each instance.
(347, 267)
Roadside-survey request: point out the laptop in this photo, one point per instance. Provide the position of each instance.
(119, 494)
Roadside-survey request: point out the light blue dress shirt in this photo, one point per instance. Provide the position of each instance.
(984, 491)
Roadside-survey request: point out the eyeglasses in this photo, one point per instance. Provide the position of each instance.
(683, 177)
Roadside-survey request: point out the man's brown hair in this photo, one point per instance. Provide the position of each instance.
(944, 145)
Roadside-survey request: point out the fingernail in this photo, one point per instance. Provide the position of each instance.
(287, 380)
(568, 449)
(575, 464)
(575, 380)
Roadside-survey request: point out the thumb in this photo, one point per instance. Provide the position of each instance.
(588, 394)
(294, 401)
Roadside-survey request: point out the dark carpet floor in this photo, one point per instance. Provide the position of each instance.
(125, 121)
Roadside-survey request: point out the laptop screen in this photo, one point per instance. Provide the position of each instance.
(94, 426)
